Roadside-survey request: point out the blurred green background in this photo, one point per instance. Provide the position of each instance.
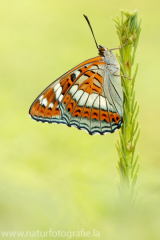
(55, 177)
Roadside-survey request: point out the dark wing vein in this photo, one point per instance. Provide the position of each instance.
(115, 91)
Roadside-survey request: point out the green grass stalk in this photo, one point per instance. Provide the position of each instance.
(128, 28)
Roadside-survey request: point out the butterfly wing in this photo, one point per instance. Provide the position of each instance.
(88, 97)
(45, 108)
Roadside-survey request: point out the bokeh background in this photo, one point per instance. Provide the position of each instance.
(60, 178)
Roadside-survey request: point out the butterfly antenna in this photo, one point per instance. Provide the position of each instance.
(91, 29)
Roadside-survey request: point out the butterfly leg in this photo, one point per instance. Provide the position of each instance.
(120, 46)
(123, 76)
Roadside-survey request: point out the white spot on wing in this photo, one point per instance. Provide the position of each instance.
(96, 103)
(40, 99)
(77, 72)
(73, 89)
(56, 87)
(51, 105)
(44, 102)
(58, 92)
(91, 99)
(83, 99)
(60, 98)
(103, 103)
(78, 95)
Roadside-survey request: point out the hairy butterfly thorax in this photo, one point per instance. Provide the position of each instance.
(109, 58)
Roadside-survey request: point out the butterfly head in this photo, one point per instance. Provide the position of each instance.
(103, 51)
(106, 53)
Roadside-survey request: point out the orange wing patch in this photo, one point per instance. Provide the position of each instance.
(34, 107)
(95, 114)
(48, 110)
(89, 86)
(71, 105)
(67, 99)
(114, 117)
(49, 95)
(77, 111)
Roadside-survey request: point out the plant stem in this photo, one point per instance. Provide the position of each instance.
(128, 28)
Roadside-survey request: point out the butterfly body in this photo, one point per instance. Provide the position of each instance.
(88, 97)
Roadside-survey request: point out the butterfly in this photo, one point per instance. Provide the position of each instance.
(88, 97)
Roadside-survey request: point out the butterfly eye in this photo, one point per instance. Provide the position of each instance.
(101, 49)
